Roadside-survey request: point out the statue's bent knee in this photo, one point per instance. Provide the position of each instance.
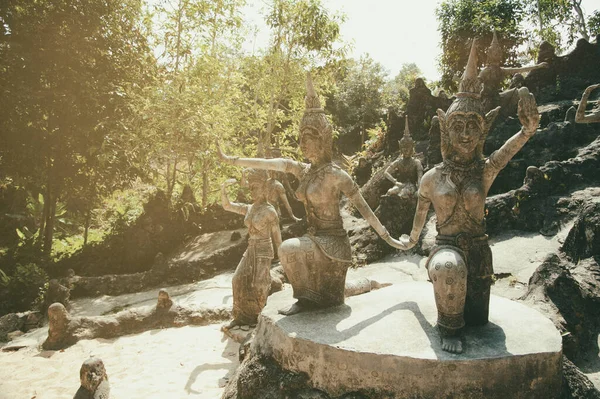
(448, 273)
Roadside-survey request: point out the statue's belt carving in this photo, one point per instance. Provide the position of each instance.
(463, 241)
(334, 243)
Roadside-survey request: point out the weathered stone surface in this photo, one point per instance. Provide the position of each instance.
(197, 259)
(9, 323)
(575, 384)
(569, 294)
(583, 240)
(385, 342)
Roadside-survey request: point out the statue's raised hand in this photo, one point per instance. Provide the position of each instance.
(222, 156)
(591, 88)
(528, 112)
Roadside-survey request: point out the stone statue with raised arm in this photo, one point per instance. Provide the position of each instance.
(494, 74)
(405, 172)
(594, 116)
(252, 278)
(460, 266)
(316, 263)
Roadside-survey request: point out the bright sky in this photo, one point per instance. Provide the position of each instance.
(392, 32)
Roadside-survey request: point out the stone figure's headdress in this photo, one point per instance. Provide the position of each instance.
(254, 176)
(468, 101)
(406, 139)
(494, 52)
(314, 117)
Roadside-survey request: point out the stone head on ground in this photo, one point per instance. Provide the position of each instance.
(94, 380)
(164, 301)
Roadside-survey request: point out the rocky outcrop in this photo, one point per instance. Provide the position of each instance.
(546, 201)
(160, 229)
(570, 296)
(566, 76)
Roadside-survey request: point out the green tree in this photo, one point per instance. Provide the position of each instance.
(303, 35)
(66, 68)
(554, 19)
(459, 21)
(396, 91)
(358, 104)
(190, 103)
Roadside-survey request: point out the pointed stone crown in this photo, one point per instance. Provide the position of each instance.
(314, 116)
(406, 138)
(468, 98)
(494, 52)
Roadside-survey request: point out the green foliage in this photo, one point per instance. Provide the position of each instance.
(396, 91)
(67, 69)
(559, 22)
(358, 103)
(594, 23)
(460, 21)
(23, 290)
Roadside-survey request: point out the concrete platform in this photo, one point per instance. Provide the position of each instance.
(385, 342)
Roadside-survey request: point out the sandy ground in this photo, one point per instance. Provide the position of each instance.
(197, 361)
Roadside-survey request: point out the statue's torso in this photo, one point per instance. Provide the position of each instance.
(459, 204)
(259, 219)
(320, 193)
(405, 170)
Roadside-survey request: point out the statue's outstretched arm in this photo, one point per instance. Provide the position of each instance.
(580, 116)
(529, 118)
(242, 209)
(388, 172)
(512, 71)
(277, 164)
(423, 204)
(351, 190)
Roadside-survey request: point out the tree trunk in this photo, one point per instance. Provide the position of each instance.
(581, 19)
(49, 228)
(204, 188)
(88, 218)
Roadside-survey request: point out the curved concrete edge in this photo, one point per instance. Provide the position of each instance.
(336, 362)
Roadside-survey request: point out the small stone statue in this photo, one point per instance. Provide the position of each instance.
(580, 116)
(460, 266)
(164, 300)
(316, 264)
(408, 169)
(276, 194)
(494, 74)
(252, 279)
(434, 152)
(94, 380)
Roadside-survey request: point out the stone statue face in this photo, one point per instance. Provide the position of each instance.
(464, 131)
(257, 190)
(407, 150)
(311, 144)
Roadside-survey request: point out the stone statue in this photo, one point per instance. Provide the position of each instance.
(94, 380)
(460, 266)
(492, 77)
(316, 264)
(580, 116)
(434, 152)
(276, 194)
(252, 279)
(408, 169)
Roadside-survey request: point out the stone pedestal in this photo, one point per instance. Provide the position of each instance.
(384, 343)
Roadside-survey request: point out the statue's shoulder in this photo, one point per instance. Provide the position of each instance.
(433, 173)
